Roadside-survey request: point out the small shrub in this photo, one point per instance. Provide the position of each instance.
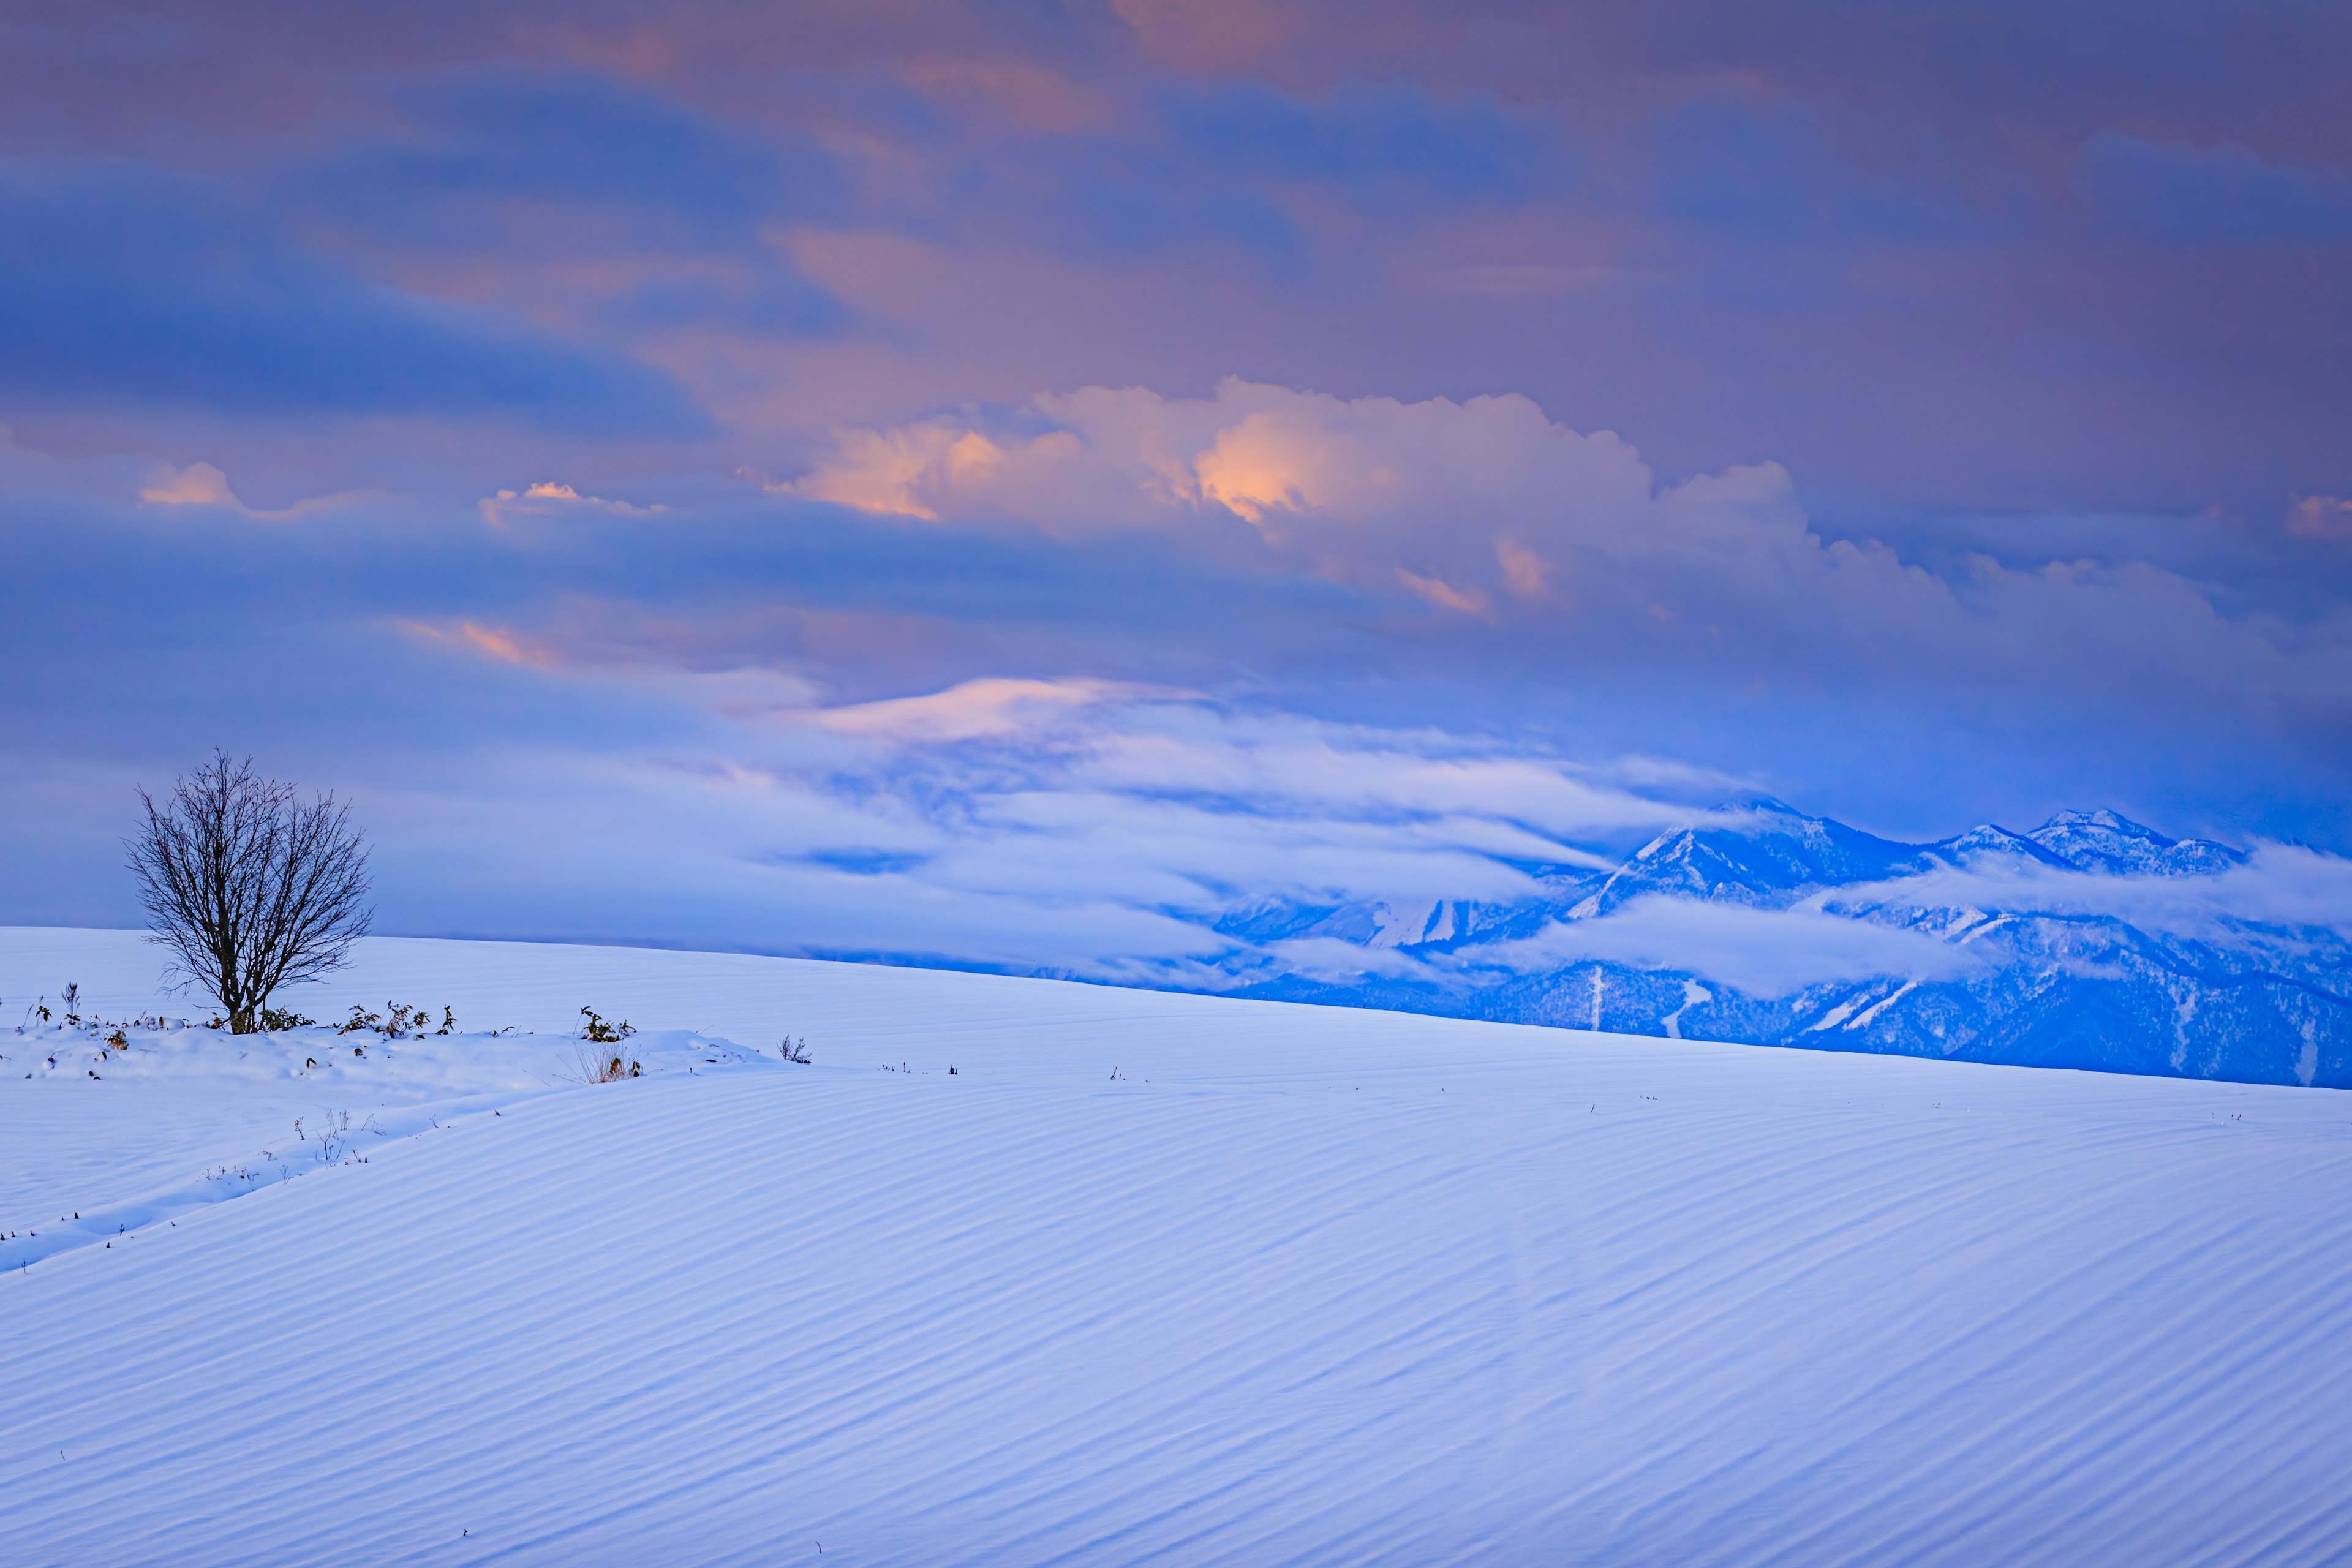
(334, 1142)
(397, 1022)
(792, 1051)
(273, 1019)
(599, 1032)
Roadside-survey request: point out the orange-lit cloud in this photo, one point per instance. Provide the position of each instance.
(488, 642)
(974, 710)
(908, 471)
(1445, 595)
(1463, 504)
(1529, 573)
(203, 485)
(547, 499)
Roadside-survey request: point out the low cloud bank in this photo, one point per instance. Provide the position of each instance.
(1102, 830)
(1096, 828)
(1764, 952)
(2278, 884)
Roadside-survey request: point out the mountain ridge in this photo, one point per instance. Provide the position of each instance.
(2058, 971)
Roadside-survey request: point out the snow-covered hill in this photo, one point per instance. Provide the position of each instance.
(2092, 941)
(1147, 1278)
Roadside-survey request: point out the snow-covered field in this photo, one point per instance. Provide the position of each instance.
(1149, 1278)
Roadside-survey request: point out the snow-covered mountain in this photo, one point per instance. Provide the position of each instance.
(2091, 941)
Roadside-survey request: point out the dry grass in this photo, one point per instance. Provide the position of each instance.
(592, 1062)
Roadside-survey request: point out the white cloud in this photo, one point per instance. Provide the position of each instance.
(2279, 884)
(969, 710)
(1339, 963)
(1764, 952)
(1080, 825)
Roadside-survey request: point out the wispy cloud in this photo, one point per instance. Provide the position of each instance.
(1077, 826)
(2278, 884)
(490, 642)
(1764, 952)
(971, 711)
(201, 484)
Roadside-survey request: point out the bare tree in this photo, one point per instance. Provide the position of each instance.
(252, 888)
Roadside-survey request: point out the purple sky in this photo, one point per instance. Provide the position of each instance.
(1243, 411)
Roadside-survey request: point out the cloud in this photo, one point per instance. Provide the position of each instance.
(184, 292)
(578, 194)
(894, 471)
(496, 695)
(969, 710)
(1075, 826)
(201, 484)
(198, 484)
(1341, 963)
(1384, 147)
(489, 642)
(1824, 205)
(479, 143)
(1445, 596)
(1458, 502)
(1764, 952)
(547, 499)
(1853, 404)
(2321, 517)
(2278, 884)
(1134, 742)
(2223, 194)
(1486, 513)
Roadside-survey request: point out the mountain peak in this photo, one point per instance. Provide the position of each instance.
(2101, 820)
(2114, 844)
(1986, 842)
(1752, 849)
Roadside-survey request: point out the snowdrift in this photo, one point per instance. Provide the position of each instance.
(1146, 1278)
